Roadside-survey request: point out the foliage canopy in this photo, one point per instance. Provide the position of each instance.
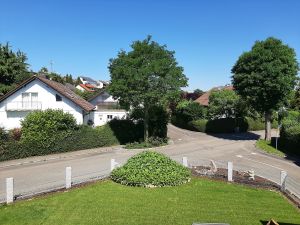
(146, 76)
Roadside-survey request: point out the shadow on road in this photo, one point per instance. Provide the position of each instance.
(237, 136)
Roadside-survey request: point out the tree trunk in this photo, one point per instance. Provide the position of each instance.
(146, 123)
(268, 126)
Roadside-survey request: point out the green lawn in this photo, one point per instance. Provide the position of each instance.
(267, 147)
(110, 203)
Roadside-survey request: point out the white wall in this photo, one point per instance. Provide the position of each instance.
(46, 95)
(103, 97)
(100, 117)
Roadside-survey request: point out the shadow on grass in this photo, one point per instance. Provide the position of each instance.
(263, 222)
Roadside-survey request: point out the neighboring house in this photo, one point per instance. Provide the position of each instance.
(86, 87)
(204, 99)
(102, 84)
(39, 93)
(107, 108)
(87, 80)
(96, 84)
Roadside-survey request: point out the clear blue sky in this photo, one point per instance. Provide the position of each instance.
(207, 36)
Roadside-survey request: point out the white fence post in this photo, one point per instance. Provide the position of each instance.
(229, 171)
(68, 177)
(283, 176)
(112, 164)
(9, 190)
(185, 161)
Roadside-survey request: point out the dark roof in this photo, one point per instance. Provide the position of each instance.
(72, 87)
(60, 88)
(89, 79)
(204, 99)
(96, 95)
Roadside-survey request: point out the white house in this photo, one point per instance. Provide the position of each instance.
(39, 93)
(97, 84)
(87, 80)
(107, 108)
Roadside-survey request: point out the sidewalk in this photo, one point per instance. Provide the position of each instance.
(59, 156)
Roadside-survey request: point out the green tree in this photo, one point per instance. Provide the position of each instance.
(223, 103)
(69, 79)
(146, 76)
(265, 76)
(198, 92)
(13, 68)
(294, 98)
(189, 111)
(44, 70)
(56, 77)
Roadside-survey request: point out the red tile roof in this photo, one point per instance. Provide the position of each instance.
(87, 87)
(60, 88)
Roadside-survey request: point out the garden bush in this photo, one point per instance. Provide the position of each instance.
(188, 111)
(15, 134)
(127, 131)
(152, 142)
(3, 134)
(198, 125)
(43, 129)
(255, 124)
(148, 169)
(290, 132)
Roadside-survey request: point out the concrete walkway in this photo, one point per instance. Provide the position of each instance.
(38, 174)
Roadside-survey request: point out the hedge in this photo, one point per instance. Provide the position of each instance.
(290, 133)
(223, 125)
(84, 137)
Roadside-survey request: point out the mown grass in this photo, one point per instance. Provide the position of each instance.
(200, 200)
(269, 148)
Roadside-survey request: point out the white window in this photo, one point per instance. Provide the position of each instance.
(29, 100)
(109, 117)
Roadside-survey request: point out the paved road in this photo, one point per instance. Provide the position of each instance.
(47, 172)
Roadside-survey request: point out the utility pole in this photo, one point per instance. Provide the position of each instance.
(51, 66)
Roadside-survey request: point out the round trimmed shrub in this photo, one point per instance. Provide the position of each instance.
(148, 169)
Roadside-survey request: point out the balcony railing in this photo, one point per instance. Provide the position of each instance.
(108, 105)
(23, 106)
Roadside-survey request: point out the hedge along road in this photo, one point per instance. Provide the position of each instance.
(36, 174)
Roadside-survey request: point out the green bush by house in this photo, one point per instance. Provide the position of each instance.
(151, 169)
(43, 129)
(52, 131)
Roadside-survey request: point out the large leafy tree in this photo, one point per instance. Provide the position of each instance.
(13, 68)
(13, 65)
(265, 76)
(146, 76)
